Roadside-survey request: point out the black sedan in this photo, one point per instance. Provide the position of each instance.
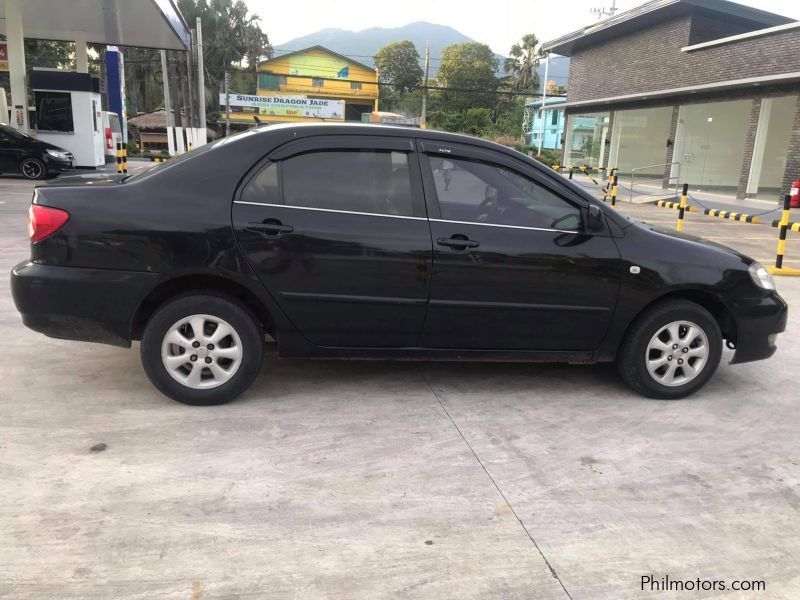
(33, 159)
(366, 241)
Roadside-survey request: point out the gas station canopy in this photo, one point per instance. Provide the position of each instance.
(138, 23)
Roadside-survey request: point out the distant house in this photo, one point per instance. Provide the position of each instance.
(149, 131)
(547, 124)
(310, 85)
(705, 92)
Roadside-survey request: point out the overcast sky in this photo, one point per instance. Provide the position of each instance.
(498, 23)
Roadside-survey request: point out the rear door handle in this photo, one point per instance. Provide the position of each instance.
(269, 227)
(458, 243)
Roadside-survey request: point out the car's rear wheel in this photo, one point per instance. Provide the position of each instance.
(671, 350)
(33, 168)
(202, 349)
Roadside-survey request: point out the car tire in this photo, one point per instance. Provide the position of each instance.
(671, 350)
(32, 168)
(190, 359)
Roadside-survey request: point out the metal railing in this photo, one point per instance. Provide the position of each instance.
(662, 178)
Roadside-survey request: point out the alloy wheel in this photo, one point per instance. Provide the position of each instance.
(677, 353)
(32, 169)
(201, 351)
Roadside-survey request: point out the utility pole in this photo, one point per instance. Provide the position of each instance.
(201, 82)
(189, 79)
(544, 97)
(227, 104)
(167, 102)
(423, 121)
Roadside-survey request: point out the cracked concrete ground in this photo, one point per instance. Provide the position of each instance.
(387, 480)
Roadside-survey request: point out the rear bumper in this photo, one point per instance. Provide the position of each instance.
(757, 328)
(72, 303)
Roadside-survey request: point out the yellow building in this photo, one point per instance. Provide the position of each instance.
(308, 86)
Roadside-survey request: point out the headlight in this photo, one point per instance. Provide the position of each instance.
(761, 276)
(57, 154)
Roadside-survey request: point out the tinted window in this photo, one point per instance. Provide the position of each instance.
(113, 123)
(360, 181)
(263, 188)
(54, 111)
(481, 192)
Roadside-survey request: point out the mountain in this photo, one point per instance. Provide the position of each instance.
(362, 45)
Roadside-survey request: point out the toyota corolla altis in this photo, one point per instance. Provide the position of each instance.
(380, 242)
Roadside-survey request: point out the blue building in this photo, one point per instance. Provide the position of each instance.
(553, 132)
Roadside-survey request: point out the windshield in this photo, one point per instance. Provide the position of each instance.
(113, 123)
(13, 133)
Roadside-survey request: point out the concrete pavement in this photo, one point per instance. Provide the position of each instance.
(346, 479)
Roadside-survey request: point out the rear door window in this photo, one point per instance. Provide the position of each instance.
(363, 181)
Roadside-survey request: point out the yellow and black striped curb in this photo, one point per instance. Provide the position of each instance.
(733, 216)
(674, 205)
(720, 214)
(157, 159)
(790, 226)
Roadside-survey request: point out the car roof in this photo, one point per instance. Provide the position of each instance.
(309, 129)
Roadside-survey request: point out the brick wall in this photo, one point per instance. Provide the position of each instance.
(649, 60)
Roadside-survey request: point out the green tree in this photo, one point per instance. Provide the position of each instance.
(398, 65)
(230, 36)
(467, 71)
(522, 62)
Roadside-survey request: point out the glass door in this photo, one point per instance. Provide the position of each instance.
(710, 142)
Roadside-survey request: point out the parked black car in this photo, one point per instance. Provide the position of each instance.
(31, 158)
(369, 241)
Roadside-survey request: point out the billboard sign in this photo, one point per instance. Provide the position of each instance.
(286, 106)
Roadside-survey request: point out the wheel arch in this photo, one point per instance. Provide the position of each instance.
(200, 282)
(708, 300)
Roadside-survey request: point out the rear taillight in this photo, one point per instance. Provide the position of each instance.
(44, 221)
(109, 144)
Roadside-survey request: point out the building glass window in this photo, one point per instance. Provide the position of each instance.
(709, 144)
(355, 85)
(585, 139)
(317, 82)
(554, 118)
(367, 181)
(54, 111)
(771, 147)
(639, 141)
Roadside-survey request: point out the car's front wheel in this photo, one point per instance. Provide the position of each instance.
(671, 350)
(33, 168)
(202, 349)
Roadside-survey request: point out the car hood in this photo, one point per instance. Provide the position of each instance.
(41, 144)
(692, 239)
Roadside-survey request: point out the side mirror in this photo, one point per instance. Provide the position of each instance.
(595, 220)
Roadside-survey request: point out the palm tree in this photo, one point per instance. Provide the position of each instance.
(522, 62)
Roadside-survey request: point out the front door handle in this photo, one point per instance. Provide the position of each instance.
(269, 227)
(458, 242)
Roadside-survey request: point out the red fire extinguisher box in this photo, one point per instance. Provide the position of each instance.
(795, 194)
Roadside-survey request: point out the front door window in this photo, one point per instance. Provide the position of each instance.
(479, 192)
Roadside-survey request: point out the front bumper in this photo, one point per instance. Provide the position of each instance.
(73, 303)
(55, 165)
(757, 327)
